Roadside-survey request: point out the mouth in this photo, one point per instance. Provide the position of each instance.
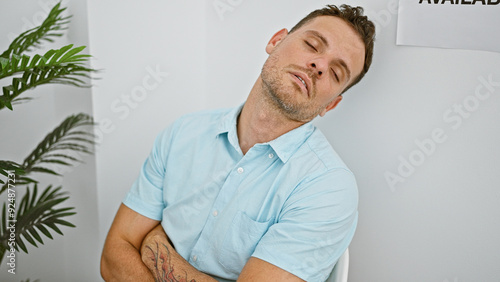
(303, 81)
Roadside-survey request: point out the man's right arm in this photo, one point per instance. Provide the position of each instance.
(121, 259)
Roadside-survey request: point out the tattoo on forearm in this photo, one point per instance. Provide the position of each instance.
(163, 269)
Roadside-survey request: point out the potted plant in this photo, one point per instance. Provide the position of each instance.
(39, 212)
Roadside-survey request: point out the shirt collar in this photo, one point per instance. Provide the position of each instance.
(228, 125)
(228, 121)
(288, 143)
(284, 146)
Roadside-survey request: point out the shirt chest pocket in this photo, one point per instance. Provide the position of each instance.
(240, 241)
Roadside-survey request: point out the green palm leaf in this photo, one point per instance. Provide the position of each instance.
(8, 166)
(45, 32)
(15, 172)
(39, 216)
(35, 216)
(62, 66)
(51, 150)
(59, 139)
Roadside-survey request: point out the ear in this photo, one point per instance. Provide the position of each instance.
(275, 40)
(331, 106)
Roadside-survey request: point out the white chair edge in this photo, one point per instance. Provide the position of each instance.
(341, 270)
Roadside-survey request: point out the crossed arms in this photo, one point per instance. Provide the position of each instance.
(131, 254)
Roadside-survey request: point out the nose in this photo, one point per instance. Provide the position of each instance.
(319, 67)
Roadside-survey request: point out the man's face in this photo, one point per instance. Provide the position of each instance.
(308, 69)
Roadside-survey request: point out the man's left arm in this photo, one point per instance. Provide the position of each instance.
(260, 270)
(315, 226)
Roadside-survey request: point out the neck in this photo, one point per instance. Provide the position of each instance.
(261, 120)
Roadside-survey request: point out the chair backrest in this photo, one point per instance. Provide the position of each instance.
(341, 269)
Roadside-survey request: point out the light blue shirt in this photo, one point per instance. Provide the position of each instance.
(291, 202)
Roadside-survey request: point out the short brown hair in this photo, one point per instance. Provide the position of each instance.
(353, 16)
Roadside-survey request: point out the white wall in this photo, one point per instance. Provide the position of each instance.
(130, 41)
(72, 257)
(440, 224)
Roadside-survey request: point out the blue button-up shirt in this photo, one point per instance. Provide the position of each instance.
(291, 202)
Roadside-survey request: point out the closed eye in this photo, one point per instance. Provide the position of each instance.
(311, 46)
(335, 75)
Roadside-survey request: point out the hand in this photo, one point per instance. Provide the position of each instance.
(164, 262)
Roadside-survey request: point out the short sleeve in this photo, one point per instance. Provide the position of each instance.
(146, 195)
(315, 227)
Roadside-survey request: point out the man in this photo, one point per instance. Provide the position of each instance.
(254, 193)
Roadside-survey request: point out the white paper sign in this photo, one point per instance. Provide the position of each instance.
(462, 24)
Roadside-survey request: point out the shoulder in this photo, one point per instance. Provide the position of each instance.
(320, 154)
(322, 171)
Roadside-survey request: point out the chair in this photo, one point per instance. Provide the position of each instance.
(341, 269)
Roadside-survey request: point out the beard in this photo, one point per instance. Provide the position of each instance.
(284, 95)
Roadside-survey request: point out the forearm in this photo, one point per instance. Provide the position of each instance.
(121, 261)
(165, 263)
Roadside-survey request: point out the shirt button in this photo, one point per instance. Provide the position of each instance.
(271, 155)
(195, 257)
(240, 170)
(215, 213)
